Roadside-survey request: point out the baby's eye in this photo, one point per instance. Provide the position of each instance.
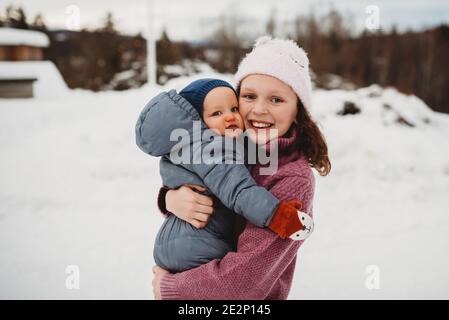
(216, 113)
(276, 100)
(235, 109)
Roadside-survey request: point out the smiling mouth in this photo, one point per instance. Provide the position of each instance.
(260, 124)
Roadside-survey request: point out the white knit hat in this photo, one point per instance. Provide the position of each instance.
(282, 59)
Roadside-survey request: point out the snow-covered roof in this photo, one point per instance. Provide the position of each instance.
(49, 80)
(14, 37)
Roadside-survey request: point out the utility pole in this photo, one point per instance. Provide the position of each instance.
(151, 44)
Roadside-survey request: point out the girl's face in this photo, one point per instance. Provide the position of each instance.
(268, 107)
(221, 112)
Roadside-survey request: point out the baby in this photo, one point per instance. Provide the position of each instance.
(180, 246)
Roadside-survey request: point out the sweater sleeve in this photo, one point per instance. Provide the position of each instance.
(161, 201)
(250, 273)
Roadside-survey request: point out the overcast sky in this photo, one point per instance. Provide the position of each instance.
(195, 19)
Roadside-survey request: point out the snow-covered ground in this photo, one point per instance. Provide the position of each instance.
(75, 190)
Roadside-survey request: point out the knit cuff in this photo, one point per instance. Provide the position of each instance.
(161, 200)
(168, 288)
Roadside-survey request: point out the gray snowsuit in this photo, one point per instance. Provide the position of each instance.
(180, 246)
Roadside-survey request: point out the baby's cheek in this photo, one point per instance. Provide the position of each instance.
(241, 122)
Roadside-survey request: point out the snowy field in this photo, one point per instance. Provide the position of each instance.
(76, 190)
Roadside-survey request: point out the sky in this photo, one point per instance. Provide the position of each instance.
(196, 19)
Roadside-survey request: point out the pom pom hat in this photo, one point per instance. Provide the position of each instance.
(282, 59)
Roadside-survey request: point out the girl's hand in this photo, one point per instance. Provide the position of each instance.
(158, 273)
(189, 205)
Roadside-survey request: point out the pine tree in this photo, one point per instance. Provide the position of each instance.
(9, 16)
(39, 23)
(15, 18)
(21, 19)
(270, 27)
(109, 25)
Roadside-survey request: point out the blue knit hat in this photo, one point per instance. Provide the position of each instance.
(196, 92)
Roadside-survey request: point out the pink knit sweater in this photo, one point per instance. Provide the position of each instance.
(263, 266)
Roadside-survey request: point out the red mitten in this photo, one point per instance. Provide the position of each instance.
(289, 222)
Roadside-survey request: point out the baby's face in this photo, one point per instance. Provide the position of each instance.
(221, 112)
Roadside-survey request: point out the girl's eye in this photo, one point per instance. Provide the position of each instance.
(216, 113)
(235, 109)
(276, 100)
(249, 96)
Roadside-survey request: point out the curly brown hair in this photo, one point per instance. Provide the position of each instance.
(311, 141)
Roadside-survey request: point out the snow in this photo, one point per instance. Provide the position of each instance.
(185, 69)
(76, 190)
(16, 37)
(124, 75)
(49, 82)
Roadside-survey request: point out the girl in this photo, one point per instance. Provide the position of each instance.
(274, 87)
